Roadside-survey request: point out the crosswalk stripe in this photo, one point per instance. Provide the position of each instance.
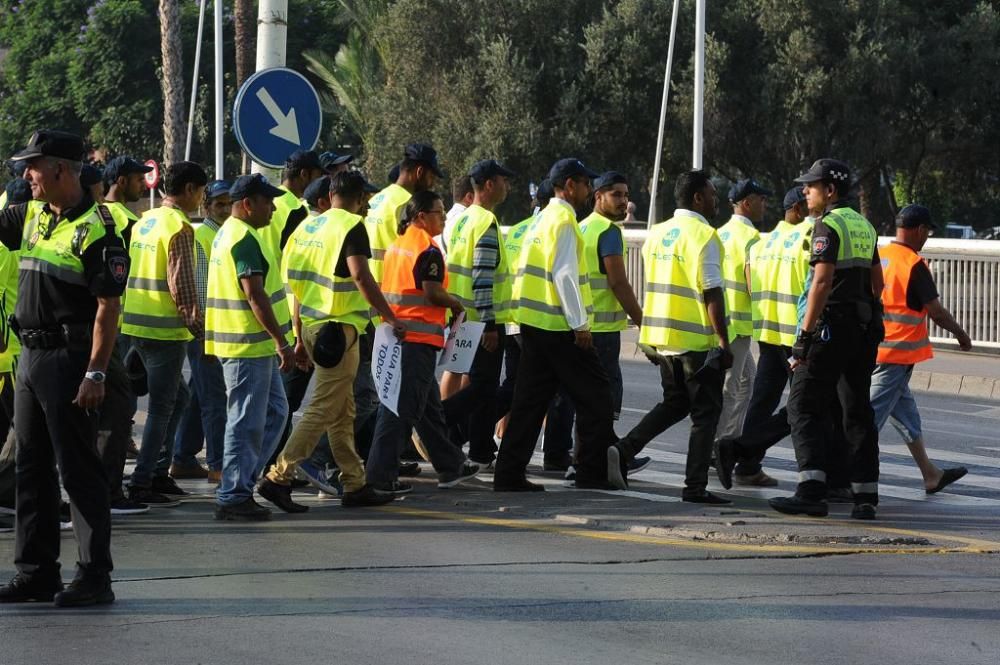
(946, 456)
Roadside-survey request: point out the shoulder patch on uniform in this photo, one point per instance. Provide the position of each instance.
(118, 267)
(820, 245)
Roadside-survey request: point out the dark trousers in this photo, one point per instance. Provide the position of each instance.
(115, 423)
(839, 368)
(8, 480)
(296, 384)
(689, 389)
(551, 360)
(475, 409)
(768, 385)
(52, 432)
(609, 347)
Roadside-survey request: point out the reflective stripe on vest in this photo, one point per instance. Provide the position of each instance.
(309, 264)
(609, 315)
(857, 238)
(424, 322)
(906, 337)
(538, 302)
(674, 315)
(466, 233)
(384, 212)
(150, 311)
(737, 237)
(779, 266)
(231, 329)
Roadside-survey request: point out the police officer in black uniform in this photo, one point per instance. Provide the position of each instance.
(73, 270)
(835, 352)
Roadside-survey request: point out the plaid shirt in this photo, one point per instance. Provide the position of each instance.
(181, 280)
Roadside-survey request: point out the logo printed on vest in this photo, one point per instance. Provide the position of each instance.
(792, 239)
(724, 236)
(521, 231)
(147, 226)
(316, 224)
(671, 237)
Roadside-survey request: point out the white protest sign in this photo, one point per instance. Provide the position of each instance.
(387, 367)
(460, 349)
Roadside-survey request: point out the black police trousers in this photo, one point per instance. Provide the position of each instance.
(52, 432)
(839, 367)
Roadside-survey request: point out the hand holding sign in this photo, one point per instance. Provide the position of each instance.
(460, 349)
(387, 367)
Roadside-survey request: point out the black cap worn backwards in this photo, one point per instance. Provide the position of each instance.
(832, 170)
(217, 188)
(914, 216)
(303, 159)
(18, 191)
(745, 188)
(52, 143)
(250, 185)
(793, 196)
(329, 159)
(124, 166)
(568, 168)
(423, 153)
(487, 169)
(609, 179)
(393, 173)
(316, 190)
(90, 175)
(545, 190)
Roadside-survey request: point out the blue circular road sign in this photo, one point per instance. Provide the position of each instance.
(277, 112)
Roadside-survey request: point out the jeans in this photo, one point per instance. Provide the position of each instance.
(772, 376)
(205, 417)
(420, 408)
(891, 398)
(256, 411)
(168, 397)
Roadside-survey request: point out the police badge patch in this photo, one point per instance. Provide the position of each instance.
(118, 267)
(820, 245)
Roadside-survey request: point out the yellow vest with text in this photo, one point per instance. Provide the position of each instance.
(779, 266)
(465, 234)
(609, 315)
(384, 212)
(858, 238)
(514, 240)
(231, 329)
(308, 266)
(283, 207)
(538, 302)
(150, 311)
(674, 315)
(737, 237)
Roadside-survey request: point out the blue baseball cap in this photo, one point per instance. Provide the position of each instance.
(609, 179)
(303, 159)
(489, 168)
(394, 173)
(18, 191)
(914, 216)
(545, 190)
(217, 188)
(250, 185)
(745, 188)
(424, 154)
(569, 167)
(316, 190)
(90, 175)
(793, 196)
(123, 166)
(329, 159)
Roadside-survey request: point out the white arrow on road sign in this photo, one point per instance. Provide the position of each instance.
(286, 128)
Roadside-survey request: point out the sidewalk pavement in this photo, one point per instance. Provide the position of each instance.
(948, 372)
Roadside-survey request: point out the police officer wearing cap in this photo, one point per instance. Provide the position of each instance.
(73, 270)
(555, 312)
(301, 168)
(837, 344)
(480, 278)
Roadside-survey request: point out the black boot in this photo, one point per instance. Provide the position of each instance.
(31, 588)
(86, 589)
(280, 495)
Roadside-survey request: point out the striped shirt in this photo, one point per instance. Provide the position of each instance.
(485, 260)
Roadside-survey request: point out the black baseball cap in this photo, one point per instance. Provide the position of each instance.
(303, 159)
(316, 190)
(52, 143)
(217, 188)
(250, 185)
(793, 196)
(826, 169)
(489, 168)
(370, 188)
(568, 168)
(90, 175)
(914, 216)
(545, 190)
(745, 188)
(18, 191)
(329, 159)
(393, 173)
(124, 166)
(423, 153)
(609, 179)
(17, 167)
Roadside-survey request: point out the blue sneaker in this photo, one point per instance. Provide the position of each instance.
(638, 464)
(317, 478)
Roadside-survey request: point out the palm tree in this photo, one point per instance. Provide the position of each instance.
(245, 42)
(172, 81)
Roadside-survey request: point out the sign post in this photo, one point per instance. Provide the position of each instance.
(152, 179)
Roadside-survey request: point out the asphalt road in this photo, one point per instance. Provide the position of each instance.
(468, 576)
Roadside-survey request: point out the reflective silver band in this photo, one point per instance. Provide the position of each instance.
(322, 280)
(608, 317)
(812, 475)
(406, 300)
(545, 274)
(776, 296)
(67, 275)
(241, 304)
(599, 282)
(673, 290)
(243, 338)
(151, 321)
(149, 284)
(740, 316)
(423, 327)
(782, 328)
(906, 346)
(676, 324)
(732, 285)
(904, 318)
(864, 488)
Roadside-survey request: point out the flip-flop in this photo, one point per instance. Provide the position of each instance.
(947, 478)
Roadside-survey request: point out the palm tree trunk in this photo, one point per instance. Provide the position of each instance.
(172, 81)
(245, 48)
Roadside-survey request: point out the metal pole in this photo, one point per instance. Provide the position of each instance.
(272, 32)
(663, 118)
(699, 84)
(219, 95)
(194, 80)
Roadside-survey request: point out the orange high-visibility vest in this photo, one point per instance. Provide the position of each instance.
(906, 340)
(424, 322)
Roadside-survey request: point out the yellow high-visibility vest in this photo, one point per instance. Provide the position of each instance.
(609, 315)
(737, 237)
(779, 266)
(384, 212)
(465, 235)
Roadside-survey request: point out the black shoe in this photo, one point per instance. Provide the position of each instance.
(558, 463)
(86, 590)
(26, 588)
(166, 485)
(947, 478)
(395, 487)
(516, 485)
(617, 468)
(125, 506)
(725, 455)
(280, 495)
(797, 505)
(247, 511)
(705, 497)
(638, 464)
(150, 498)
(863, 511)
(366, 496)
(449, 480)
(298, 483)
(409, 469)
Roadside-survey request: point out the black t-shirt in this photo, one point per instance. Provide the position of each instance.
(44, 300)
(850, 285)
(295, 218)
(429, 267)
(356, 243)
(921, 288)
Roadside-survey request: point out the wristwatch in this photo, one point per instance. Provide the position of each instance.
(95, 375)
